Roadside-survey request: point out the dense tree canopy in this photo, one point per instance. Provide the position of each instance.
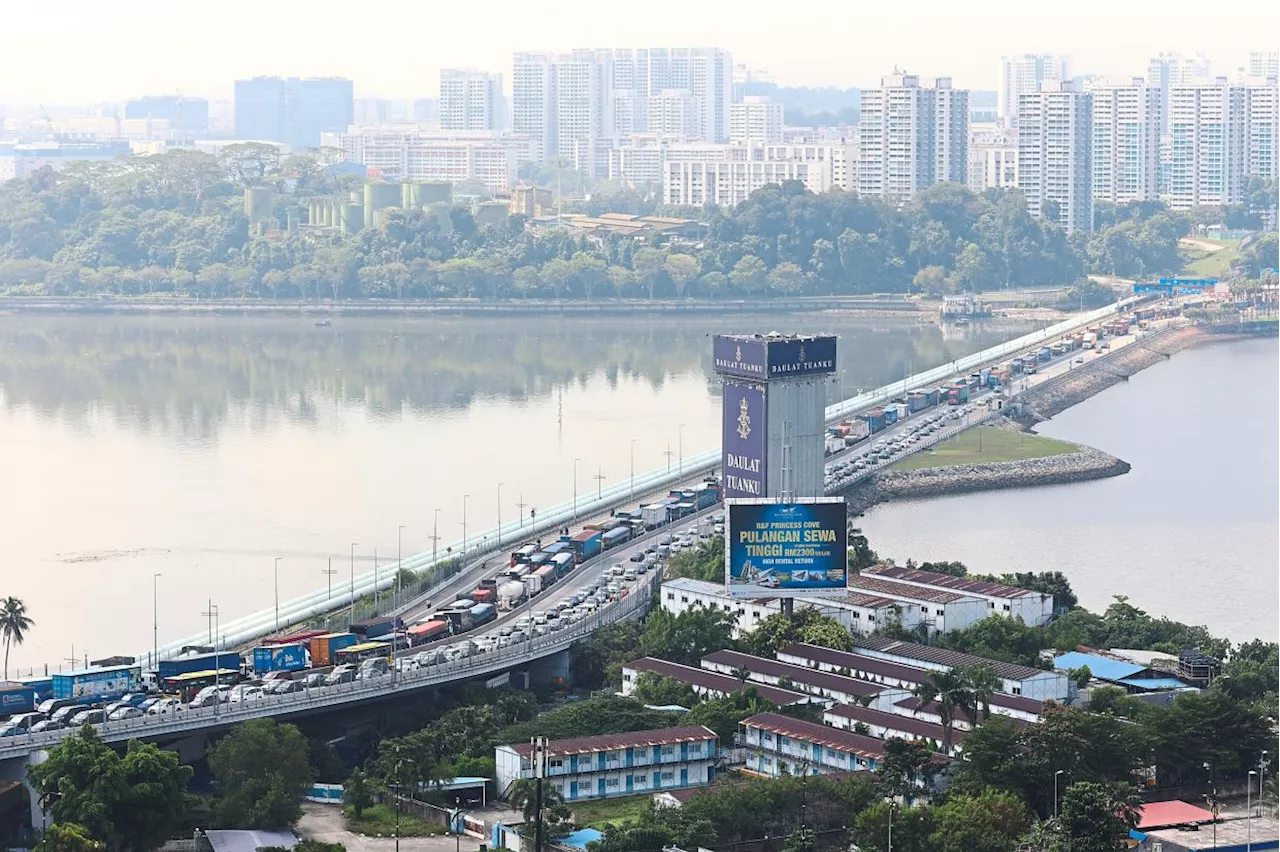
(261, 768)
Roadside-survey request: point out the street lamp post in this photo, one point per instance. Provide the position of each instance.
(575, 489)
(377, 596)
(399, 562)
(499, 539)
(680, 442)
(155, 619)
(633, 469)
(353, 580)
(520, 504)
(329, 572)
(435, 533)
(1248, 798)
(464, 527)
(1055, 792)
(276, 582)
(890, 800)
(599, 478)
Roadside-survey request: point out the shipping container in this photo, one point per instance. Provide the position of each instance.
(654, 515)
(324, 647)
(103, 684)
(890, 415)
(1017, 365)
(586, 544)
(459, 619)
(428, 631)
(546, 576)
(294, 638)
(16, 698)
(708, 495)
(557, 547)
(41, 685)
(874, 419)
(197, 663)
(917, 401)
(372, 628)
(532, 585)
(279, 658)
(1030, 367)
(483, 614)
(684, 510)
(542, 556)
(615, 537)
(1045, 355)
(563, 563)
(484, 595)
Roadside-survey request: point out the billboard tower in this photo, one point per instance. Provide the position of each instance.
(773, 416)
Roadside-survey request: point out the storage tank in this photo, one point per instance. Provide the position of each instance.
(293, 216)
(510, 595)
(379, 196)
(352, 218)
(440, 212)
(257, 204)
(415, 195)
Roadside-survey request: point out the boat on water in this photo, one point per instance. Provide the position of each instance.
(322, 323)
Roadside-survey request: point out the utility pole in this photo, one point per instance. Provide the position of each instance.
(520, 504)
(464, 528)
(353, 580)
(155, 619)
(599, 478)
(539, 772)
(276, 577)
(399, 563)
(435, 533)
(329, 572)
(498, 542)
(575, 489)
(633, 469)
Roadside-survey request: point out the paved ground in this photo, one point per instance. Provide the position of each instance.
(324, 822)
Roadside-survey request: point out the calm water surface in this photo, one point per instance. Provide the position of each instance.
(1190, 532)
(202, 448)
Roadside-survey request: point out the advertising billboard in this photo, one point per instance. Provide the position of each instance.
(777, 549)
(811, 356)
(743, 439)
(737, 356)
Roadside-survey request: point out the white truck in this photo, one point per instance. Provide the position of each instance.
(1090, 340)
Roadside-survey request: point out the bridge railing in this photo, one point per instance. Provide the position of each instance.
(475, 665)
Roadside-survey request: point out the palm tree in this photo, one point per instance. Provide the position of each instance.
(983, 683)
(524, 795)
(14, 625)
(950, 690)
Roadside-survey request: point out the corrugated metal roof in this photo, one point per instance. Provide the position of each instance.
(726, 684)
(947, 581)
(798, 674)
(613, 742)
(865, 583)
(1100, 667)
(870, 601)
(1154, 683)
(823, 735)
(704, 587)
(945, 657)
(858, 662)
(1011, 702)
(1162, 814)
(894, 721)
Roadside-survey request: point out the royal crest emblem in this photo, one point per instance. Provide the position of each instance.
(737, 355)
(744, 420)
(801, 353)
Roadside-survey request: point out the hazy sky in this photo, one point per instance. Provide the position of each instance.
(79, 51)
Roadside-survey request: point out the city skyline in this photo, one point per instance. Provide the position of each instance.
(176, 51)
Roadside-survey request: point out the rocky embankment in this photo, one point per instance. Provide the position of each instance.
(1092, 378)
(1084, 464)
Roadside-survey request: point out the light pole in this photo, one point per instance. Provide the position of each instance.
(464, 528)
(890, 801)
(499, 540)
(575, 489)
(599, 478)
(377, 597)
(1213, 802)
(399, 562)
(353, 580)
(633, 469)
(1248, 798)
(276, 578)
(520, 504)
(435, 530)
(329, 572)
(680, 442)
(155, 620)
(1055, 792)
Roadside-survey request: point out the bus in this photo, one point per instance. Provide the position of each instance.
(186, 685)
(363, 651)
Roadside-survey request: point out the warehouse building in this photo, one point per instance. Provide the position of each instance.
(780, 745)
(938, 610)
(835, 688)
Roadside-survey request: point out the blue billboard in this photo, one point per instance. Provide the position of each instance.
(743, 443)
(739, 356)
(786, 549)
(806, 356)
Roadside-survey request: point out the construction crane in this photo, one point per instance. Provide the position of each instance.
(48, 122)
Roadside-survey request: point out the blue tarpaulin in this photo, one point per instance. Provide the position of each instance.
(580, 838)
(1100, 667)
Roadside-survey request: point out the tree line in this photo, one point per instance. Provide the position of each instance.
(174, 225)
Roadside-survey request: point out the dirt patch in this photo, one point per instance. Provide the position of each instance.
(324, 822)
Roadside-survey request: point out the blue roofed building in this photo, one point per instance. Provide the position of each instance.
(1132, 677)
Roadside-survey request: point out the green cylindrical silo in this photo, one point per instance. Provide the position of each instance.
(257, 203)
(352, 218)
(440, 212)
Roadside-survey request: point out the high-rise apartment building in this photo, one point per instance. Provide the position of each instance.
(1264, 65)
(1262, 106)
(1207, 144)
(1127, 125)
(698, 174)
(755, 119)
(185, 115)
(911, 136)
(675, 112)
(1174, 69)
(587, 94)
(1055, 134)
(993, 158)
(471, 100)
(1024, 73)
(293, 110)
(407, 153)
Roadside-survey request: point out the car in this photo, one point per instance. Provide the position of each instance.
(243, 693)
(540, 630)
(427, 658)
(133, 698)
(642, 569)
(504, 641)
(88, 717)
(313, 680)
(616, 569)
(519, 636)
(340, 674)
(127, 711)
(284, 687)
(630, 575)
(51, 705)
(149, 703)
(653, 548)
(666, 539)
(163, 706)
(11, 731)
(1079, 360)
(573, 600)
(505, 630)
(523, 623)
(205, 699)
(270, 676)
(24, 721)
(638, 556)
(45, 725)
(554, 613)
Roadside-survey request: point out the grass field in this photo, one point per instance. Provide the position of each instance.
(985, 445)
(611, 811)
(380, 820)
(1198, 263)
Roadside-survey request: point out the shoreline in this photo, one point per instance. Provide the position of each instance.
(1040, 404)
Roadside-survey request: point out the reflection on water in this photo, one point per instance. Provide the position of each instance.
(200, 448)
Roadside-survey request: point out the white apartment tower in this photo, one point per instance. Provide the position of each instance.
(582, 81)
(676, 113)
(1055, 132)
(1174, 69)
(1262, 108)
(1207, 144)
(755, 119)
(1126, 140)
(471, 100)
(1264, 65)
(993, 159)
(1024, 73)
(533, 102)
(911, 136)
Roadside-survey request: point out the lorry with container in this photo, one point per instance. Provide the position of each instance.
(890, 415)
(293, 638)
(16, 698)
(102, 684)
(833, 445)
(428, 631)
(197, 663)
(482, 614)
(586, 544)
(653, 515)
(1045, 354)
(373, 628)
(1016, 365)
(324, 648)
(616, 536)
(522, 554)
(1090, 340)
(958, 394)
(279, 658)
(546, 577)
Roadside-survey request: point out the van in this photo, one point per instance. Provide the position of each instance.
(664, 551)
(629, 575)
(617, 570)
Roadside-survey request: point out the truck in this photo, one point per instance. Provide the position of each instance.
(16, 698)
(1045, 354)
(1090, 340)
(1030, 367)
(833, 445)
(616, 536)
(323, 648)
(279, 658)
(1016, 365)
(372, 628)
(197, 663)
(959, 393)
(459, 619)
(890, 415)
(563, 563)
(428, 631)
(101, 684)
(521, 555)
(874, 419)
(708, 495)
(483, 613)
(484, 595)
(511, 595)
(545, 576)
(586, 544)
(917, 400)
(294, 638)
(654, 515)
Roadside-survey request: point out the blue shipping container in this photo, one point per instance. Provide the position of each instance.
(279, 658)
(43, 686)
(890, 416)
(483, 614)
(616, 536)
(200, 663)
(101, 684)
(16, 698)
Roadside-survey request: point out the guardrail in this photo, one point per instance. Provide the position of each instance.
(320, 602)
(318, 698)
